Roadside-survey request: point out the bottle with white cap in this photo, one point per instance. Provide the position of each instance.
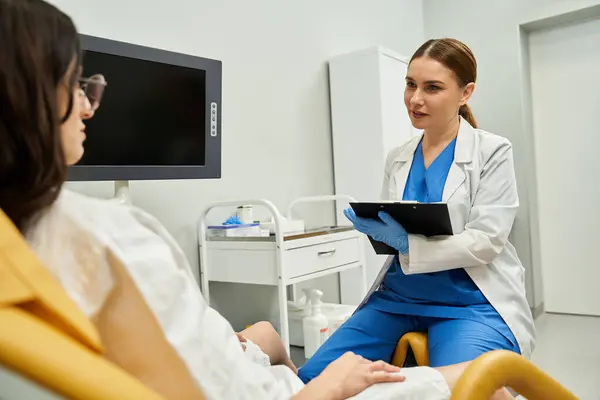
(314, 326)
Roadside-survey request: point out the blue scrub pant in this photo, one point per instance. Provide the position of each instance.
(374, 334)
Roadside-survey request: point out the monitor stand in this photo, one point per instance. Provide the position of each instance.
(122, 195)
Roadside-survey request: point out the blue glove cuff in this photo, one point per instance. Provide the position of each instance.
(402, 245)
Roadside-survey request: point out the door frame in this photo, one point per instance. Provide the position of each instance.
(562, 14)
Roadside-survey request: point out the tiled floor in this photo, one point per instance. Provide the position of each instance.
(297, 354)
(568, 348)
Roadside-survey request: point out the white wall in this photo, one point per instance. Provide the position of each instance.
(276, 121)
(490, 28)
(566, 113)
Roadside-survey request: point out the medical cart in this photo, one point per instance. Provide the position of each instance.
(280, 259)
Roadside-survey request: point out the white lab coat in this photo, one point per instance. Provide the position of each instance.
(73, 239)
(481, 192)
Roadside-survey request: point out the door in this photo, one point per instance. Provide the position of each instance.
(565, 63)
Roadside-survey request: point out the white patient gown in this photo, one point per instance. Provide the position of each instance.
(72, 239)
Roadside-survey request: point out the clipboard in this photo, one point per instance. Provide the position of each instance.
(427, 219)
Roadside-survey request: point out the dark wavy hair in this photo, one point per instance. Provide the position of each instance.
(40, 46)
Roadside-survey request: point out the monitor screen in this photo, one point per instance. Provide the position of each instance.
(152, 113)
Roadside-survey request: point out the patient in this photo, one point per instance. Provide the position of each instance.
(119, 265)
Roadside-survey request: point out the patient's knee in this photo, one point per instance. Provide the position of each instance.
(265, 328)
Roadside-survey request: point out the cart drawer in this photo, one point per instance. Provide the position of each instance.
(243, 266)
(320, 257)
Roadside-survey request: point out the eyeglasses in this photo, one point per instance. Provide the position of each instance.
(93, 88)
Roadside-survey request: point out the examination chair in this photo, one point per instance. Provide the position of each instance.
(50, 348)
(411, 350)
(487, 373)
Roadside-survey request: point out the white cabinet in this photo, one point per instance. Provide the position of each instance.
(368, 120)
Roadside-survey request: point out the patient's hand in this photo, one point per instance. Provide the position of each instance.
(353, 374)
(349, 375)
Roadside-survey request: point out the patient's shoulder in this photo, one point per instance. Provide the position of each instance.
(64, 241)
(73, 221)
(109, 223)
(102, 218)
(124, 227)
(137, 238)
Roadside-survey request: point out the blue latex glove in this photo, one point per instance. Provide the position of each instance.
(388, 230)
(233, 220)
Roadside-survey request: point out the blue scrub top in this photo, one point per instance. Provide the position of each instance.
(445, 294)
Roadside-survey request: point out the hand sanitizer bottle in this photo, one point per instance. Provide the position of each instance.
(315, 326)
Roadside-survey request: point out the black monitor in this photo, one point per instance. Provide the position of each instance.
(160, 116)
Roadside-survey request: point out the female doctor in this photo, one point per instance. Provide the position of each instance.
(466, 290)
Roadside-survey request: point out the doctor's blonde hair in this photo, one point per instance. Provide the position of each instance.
(458, 57)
